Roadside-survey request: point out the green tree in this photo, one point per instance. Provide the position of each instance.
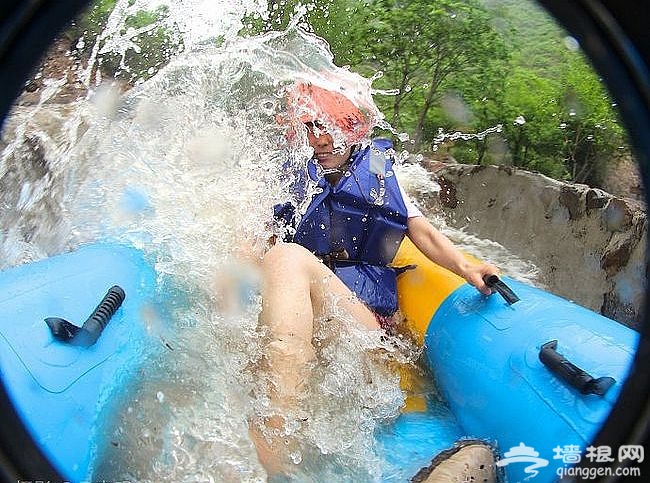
(156, 45)
(92, 21)
(563, 126)
(530, 113)
(421, 47)
(592, 134)
(470, 66)
(334, 20)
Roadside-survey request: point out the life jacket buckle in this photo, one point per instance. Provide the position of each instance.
(334, 256)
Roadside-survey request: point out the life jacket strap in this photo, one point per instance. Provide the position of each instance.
(341, 257)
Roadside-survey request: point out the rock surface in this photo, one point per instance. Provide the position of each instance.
(588, 245)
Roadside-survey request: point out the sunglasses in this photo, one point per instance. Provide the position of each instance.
(315, 127)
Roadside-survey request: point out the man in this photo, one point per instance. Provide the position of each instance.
(342, 229)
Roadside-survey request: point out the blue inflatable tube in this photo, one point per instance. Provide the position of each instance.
(535, 378)
(62, 391)
(485, 355)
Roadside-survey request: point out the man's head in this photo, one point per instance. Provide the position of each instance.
(327, 155)
(334, 124)
(329, 111)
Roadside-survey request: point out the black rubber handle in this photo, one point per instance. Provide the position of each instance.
(572, 374)
(92, 328)
(494, 282)
(98, 320)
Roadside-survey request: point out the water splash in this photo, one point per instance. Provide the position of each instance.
(185, 166)
(443, 137)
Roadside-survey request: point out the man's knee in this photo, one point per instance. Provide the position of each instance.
(283, 255)
(290, 350)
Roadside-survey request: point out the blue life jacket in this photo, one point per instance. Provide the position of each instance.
(357, 225)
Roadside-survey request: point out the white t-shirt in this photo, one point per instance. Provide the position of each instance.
(411, 210)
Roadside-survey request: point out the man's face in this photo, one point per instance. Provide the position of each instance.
(323, 143)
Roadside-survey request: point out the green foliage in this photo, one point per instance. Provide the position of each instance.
(155, 42)
(458, 66)
(334, 20)
(592, 133)
(467, 65)
(433, 48)
(151, 42)
(570, 131)
(92, 21)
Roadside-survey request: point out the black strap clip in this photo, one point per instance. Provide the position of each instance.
(339, 255)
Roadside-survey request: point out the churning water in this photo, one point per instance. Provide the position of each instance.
(185, 167)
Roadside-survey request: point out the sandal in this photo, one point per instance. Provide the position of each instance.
(468, 461)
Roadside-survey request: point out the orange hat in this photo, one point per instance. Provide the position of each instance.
(309, 102)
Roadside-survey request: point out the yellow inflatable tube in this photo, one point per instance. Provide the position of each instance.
(420, 293)
(422, 290)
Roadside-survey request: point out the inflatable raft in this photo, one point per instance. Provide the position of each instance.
(535, 378)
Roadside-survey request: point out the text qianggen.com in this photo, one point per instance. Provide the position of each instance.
(593, 473)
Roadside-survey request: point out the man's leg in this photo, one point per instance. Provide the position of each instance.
(296, 289)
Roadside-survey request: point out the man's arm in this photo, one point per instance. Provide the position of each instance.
(439, 249)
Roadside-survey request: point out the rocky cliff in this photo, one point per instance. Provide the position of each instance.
(589, 245)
